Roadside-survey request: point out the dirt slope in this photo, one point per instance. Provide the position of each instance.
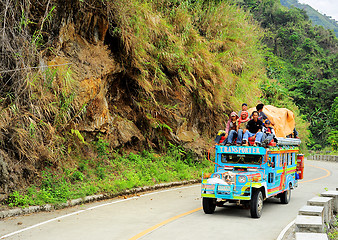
(138, 73)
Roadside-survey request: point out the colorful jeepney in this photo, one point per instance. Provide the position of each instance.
(249, 175)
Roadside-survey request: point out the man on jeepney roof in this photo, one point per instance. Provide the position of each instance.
(261, 115)
(244, 108)
(282, 119)
(254, 128)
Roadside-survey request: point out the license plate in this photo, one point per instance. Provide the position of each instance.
(224, 188)
(209, 187)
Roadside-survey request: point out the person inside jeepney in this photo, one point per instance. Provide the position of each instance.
(268, 133)
(231, 129)
(244, 108)
(241, 126)
(254, 128)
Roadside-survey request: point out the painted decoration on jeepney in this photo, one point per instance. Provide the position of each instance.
(240, 150)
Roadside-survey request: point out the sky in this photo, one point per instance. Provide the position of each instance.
(329, 7)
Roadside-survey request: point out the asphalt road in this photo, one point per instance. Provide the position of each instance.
(170, 214)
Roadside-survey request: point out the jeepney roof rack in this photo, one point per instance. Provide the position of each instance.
(288, 141)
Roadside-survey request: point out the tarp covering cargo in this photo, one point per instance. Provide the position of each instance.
(282, 119)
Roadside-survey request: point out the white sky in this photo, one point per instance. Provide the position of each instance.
(329, 7)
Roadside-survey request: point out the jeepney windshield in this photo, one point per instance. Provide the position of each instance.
(241, 158)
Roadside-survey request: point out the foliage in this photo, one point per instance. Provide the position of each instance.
(78, 134)
(332, 232)
(333, 139)
(316, 17)
(102, 146)
(334, 111)
(180, 61)
(53, 189)
(202, 54)
(195, 48)
(37, 101)
(16, 199)
(303, 59)
(113, 174)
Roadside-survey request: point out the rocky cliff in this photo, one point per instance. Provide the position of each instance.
(138, 73)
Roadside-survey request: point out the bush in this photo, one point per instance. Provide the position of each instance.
(18, 200)
(77, 176)
(333, 140)
(121, 172)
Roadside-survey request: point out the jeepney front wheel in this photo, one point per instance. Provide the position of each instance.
(285, 196)
(209, 205)
(256, 204)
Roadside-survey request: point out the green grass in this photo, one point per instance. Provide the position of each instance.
(333, 231)
(197, 48)
(111, 173)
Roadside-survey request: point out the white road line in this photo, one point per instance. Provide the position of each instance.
(91, 208)
(282, 233)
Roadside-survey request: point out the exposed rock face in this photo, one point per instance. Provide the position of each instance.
(186, 135)
(127, 131)
(107, 97)
(94, 70)
(91, 65)
(110, 97)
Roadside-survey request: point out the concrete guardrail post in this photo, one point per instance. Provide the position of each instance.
(325, 202)
(334, 196)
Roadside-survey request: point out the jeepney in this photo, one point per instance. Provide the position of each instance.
(249, 175)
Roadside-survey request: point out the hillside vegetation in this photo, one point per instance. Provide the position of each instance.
(85, 83)
(317, 18)
(303, 59)
(103, 96)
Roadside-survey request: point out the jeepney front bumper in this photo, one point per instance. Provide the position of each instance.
(228, 192)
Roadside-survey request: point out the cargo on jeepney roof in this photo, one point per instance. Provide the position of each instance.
(282, 119)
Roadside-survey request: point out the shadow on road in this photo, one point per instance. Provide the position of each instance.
(240, 211)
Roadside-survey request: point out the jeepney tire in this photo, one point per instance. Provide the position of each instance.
(285, 196)
(209, 205)
(256, 204)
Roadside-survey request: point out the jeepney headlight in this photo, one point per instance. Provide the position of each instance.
(241, 179)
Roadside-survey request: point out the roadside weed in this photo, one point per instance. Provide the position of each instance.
(111, 173)
(333, 231)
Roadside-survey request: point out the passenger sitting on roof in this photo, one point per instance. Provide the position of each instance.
(231, 128)
(244, 108)
(254, 128)
(241, 127)
(261, 114)
(268, 133)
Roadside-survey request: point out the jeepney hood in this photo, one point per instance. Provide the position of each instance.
(252, 176)
(227, 177)
(235, 172)
(245, 170)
